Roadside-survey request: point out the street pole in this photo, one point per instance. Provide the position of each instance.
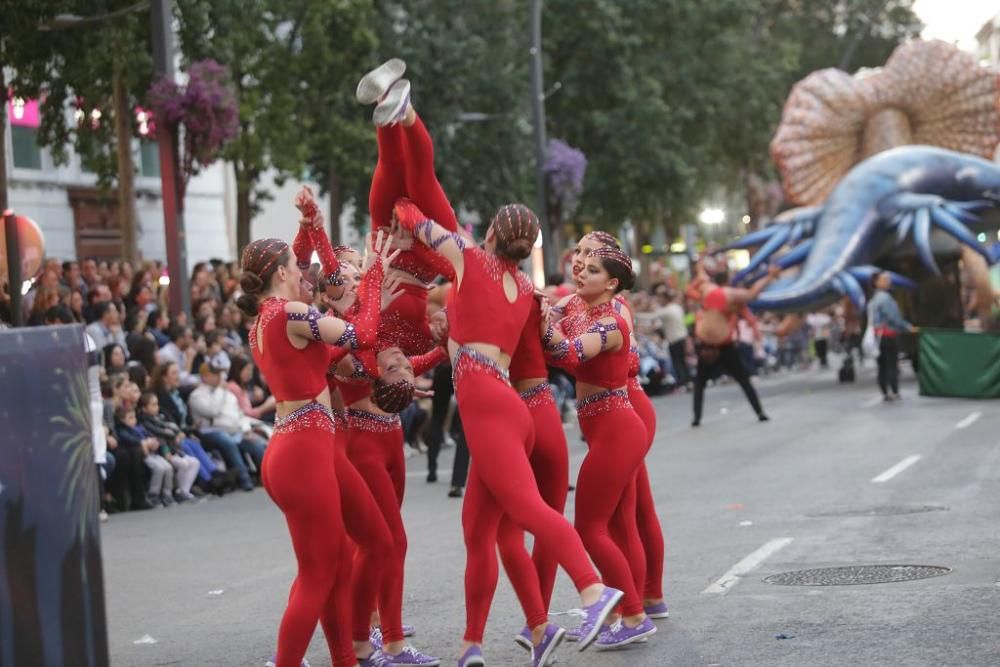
(173, 210)
(13, 238)
(126, 175)
(550, 254)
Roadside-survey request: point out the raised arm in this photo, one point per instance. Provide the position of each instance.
(738, 296)
(449, 245)
(425, 362)
(312, 225)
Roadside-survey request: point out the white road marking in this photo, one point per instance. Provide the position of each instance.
(896, 469)
(747, 565)
(873, 402)
(970, 420)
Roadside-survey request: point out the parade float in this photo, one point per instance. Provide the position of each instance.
(892, 169)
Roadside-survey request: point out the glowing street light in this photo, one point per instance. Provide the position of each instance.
(712, 216)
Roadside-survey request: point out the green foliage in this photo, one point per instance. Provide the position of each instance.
(74, 68)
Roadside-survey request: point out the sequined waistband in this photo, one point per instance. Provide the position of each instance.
(538, 395)
(362, 420)
(603, 401)
(469, 360)
(340, 419)
(309, 416)
(634, 384)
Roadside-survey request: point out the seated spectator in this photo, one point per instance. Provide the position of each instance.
(142, 352)
(98, 294)
(171, 446)
(45, 298)
(131, 434)
(253, 401)
(212, 352)
(180, 351)
(59, 314)
(158, 322)
(106, 329)
(220, 422)
(127, 481)
(114, 359)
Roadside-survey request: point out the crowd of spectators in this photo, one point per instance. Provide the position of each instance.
(186, 413)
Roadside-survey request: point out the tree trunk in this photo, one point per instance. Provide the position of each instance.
(244, 187)
(641, 240)
(3, 147)
(333, 188)
(126, 194)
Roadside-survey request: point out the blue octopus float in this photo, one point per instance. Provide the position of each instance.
(900, 193)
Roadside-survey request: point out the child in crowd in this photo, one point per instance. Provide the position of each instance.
(132, 435)
(171, 445)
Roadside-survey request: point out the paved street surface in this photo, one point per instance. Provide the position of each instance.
(738, 501)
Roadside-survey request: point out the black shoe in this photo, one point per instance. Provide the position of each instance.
(763, 418)
(696, 423)
(456, 492)
(142, 505)
(248, 488)
(197, 492)
(432, 476)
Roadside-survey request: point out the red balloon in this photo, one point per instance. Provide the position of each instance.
(32, 243)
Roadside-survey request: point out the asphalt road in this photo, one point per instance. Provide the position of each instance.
(205, 584)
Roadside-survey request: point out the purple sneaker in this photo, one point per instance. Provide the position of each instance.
(376, 659)
(411, 656)
(572, 635)
(619, 634)
(408, 630)
(658, 610)
(473, 656)
(595, 616)
(523, 639)
(375, 637)
(544, 654)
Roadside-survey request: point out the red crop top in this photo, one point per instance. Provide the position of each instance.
(608, 369)
(480, 311)
(528, 360)
(716, 300)
(292, 374)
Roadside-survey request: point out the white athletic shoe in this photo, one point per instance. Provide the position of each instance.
(392, 108)
(374, 85)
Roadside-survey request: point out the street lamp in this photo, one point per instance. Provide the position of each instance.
(712, 216)
(538, 119)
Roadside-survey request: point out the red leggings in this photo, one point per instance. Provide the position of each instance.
(299, 473)
(549, 459)
(376, 450)
(617, 440)
(650, 531)
(499, 433)
(405, 168)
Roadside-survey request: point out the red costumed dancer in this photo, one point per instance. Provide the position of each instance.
(595, 347)
(491, 303)
(549, 459)
(650, 532)
(290, 344)
(373, 444)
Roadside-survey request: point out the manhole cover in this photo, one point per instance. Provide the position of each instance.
(884, 510)
(852, 575)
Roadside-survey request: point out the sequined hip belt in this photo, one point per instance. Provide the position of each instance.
(340, 419)
(312, 415)
(538, 396)
(603, 401)
(634, 384)
(471, 361)
(362, 420)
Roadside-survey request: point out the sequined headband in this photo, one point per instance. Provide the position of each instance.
(613, 254)
(604, 238)
(260, 248)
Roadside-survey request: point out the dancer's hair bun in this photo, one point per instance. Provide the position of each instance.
(516, 227)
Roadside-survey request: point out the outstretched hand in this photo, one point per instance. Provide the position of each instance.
(305, 201)
(379, 247)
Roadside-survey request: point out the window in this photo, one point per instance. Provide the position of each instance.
(24, 123)
(149, 159)
(27, 153)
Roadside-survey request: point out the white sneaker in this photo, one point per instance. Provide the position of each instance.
(377, 82)
(392, 108)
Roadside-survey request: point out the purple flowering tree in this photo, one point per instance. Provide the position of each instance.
(203, 114)
(565, 168)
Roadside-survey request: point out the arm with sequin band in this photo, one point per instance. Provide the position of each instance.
(308, 323)
(312, 224)
(447, 244)
(602, 336)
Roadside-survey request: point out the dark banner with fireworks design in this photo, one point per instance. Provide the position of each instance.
(51, 580)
